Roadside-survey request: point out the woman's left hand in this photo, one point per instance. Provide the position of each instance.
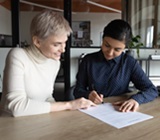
(126, 106)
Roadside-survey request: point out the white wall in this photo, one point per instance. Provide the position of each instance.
(25, 25)
(3, 54)
(5, 21)
(98, 22)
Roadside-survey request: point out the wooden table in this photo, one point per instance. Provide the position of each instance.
(75, 125)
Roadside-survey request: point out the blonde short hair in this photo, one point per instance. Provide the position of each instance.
(48, 23)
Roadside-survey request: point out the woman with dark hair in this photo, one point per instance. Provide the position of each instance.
(109, 71)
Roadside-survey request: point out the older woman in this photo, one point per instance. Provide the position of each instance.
(30, 73)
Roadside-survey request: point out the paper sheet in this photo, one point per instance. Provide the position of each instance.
(107, 113)
(80, 34)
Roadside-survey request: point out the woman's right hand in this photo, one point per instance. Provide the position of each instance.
(71, 105)
(80, 103)
(95, 97)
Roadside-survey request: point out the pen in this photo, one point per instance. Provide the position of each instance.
(93, 88)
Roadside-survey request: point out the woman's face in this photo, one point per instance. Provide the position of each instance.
(53, 46)
(112, 48)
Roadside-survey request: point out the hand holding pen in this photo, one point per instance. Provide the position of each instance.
(95, 97)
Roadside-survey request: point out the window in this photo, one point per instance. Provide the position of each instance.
(144, 17)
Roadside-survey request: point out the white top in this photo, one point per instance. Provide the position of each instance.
(28, 84)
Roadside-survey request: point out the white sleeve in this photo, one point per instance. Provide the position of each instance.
(14, 88)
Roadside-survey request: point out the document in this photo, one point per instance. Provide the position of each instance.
(107, 113)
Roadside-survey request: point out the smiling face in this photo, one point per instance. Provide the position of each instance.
(49, 32)
(112, 48)
(51, 47)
